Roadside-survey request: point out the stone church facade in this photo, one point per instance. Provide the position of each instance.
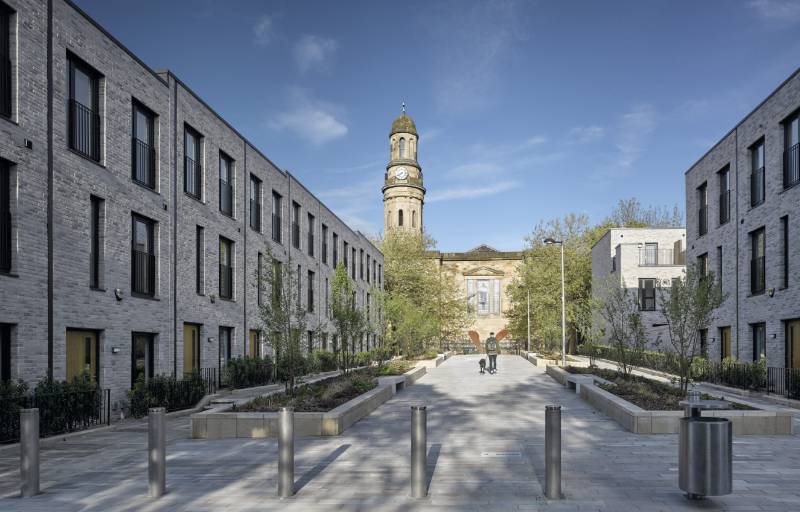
(483, 274)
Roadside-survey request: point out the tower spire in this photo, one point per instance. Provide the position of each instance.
(404, 107)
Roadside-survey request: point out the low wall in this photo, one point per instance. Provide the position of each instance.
(558, 374)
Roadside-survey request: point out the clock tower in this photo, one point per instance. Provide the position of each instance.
(403, 191)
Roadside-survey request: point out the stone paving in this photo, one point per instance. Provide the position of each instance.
(486, 440)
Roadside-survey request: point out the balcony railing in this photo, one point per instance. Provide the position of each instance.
(192, 178)
(757, 187)
(84, 130)
(5, 241)
(225, 281)
(5, 88)
(295, 235)
(143, 279)
(757, 276)
(702, 217)
(724, 207)
(255, 215)
(791, 166)
(657, 258)
(144, 163)
(225, 197)
(276, 228)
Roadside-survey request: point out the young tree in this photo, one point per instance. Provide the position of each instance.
(347, 318)
(688, 306)
(620, 311)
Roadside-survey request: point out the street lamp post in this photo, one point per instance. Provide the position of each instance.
(552, 241)
(529, 319)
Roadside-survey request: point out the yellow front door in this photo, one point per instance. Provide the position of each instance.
(191, 348)
(254, 349)
(793, 344)
(81, 353)
(725, 339)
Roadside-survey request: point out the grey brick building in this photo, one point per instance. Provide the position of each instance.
(743, 224)
(133, 218)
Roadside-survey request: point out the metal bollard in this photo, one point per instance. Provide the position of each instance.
(157, 451)
(285, 452)
(552, 451)
(29, 451)
(419, 451)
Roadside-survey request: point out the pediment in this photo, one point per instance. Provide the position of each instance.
(483, 271)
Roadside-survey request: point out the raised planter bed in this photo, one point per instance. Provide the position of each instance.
(543, 362)
(222, 423)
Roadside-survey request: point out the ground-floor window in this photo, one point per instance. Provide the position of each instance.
(704, 342)
(5, 352)
(142, 356)
(191, 348)
(254, 350)
(759, 340)
(793, 344)
(725, 342)
(225, 336)
(82, 354)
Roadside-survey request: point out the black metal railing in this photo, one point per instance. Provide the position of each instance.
(171, 393)
(295, 235)
(5, 87)
(59, 413)
(276, 228)
(784, 382)
(791, 166)
(5, 241)
(143, 280)
(225, 197)
(737, 375)
(225, 281)
(757, 187)
(702, 217)
(310, 243)
(656, 257)
(757, 276)
(724, 207)
(144, 163)
(192, 178)
(255, 215)
(211, 378)
(84, 130)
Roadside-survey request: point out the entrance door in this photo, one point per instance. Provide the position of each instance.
(81, 354)
(141, 357)
(725, 342)
(254, 347)
(793, 344)
(191, 348)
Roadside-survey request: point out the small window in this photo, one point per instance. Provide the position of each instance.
(5, 216)
(324, 244)
(295, 225)
(277, 208)
(400, 218)
(200, 258)
(724, 195)
(785, 247)
(142, 357)
(647, 294)
(226, 174)
(96, 244)
(5, 352)
(144, 151)
(757, 262)
(702, 201)
(143, 275)
(791, 153)
(310, 287)
(225, 268)
(759, 340)
(6, 74)
(702, 264)
(193, 163)
(310, 235)
(255, 203)
(84, 114)
(225, 346)
(402, 147)
(413, 218)
(335, 250)
(259, 279)
(757, 183)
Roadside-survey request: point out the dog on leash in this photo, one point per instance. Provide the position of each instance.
(482, 364)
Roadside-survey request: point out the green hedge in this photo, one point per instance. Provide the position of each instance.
(166, 391)
(247, 372)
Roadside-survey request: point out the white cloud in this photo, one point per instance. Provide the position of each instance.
(633, 133)
(536, 140)
(314, 53)
(263, 31)
(470, 192)
(315, 121)
(585, 134)
(786, 11)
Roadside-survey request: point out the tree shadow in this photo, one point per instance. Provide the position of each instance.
(319, 468)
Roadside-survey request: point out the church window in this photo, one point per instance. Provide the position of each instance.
(402, 147)
(484, 295)
(400, 218)
(413, 218)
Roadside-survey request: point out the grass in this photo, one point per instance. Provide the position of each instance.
(648, 394)
(396, 367)
(321, 396)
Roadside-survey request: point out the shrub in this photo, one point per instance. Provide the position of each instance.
(166, 391)
(302, 364)
(245, 372)
(396, 367)
(323, 361)
(362, 359)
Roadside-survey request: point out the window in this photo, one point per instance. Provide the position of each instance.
(5, 61)
(255, 203)
(402, 147)
(367, 268)
(724, 195)
(791, 152)
(413, 218)
(702, 265)
(323, 338)
(259, 278)
(702, 200)
(298, 277)
(757, 173)
(225, 268)
(277, 280)
(200, 257)
(193, 163)
(141, 357)
(757, 262)
(324, 244)
(374, 267)
(5, 352)
(719, 266)
(361, 264)
(277, 204)
(380, 275)
(759, 340)
(613, 264)
(484, 295)
(84, 116)
(143, 153)
(345, 255)
(400, 218)
(310, 235)
(650, 254)
(97, 235)
(785, 247)
(335, 250)
(143, 271)
(310, 341)
(725, 342)
(225, 184)
(5, 216)
(82, 354)
(310, 287)
(353, 262)
(225, 348)
(327, 298)
(647, 294)
(254, 349)
(295, 225)
(703, 335)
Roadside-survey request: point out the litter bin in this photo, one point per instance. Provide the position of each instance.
(705, 450)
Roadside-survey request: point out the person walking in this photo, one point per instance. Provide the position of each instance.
(492, 349)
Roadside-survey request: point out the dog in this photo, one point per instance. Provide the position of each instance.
(482, 364)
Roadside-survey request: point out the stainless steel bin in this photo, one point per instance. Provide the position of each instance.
(706, 456)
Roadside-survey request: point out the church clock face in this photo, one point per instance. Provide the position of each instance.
(401, 173)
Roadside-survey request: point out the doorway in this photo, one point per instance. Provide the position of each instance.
(191, 348)
(82, 354)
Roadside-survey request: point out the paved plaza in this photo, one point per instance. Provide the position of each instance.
(486, 440)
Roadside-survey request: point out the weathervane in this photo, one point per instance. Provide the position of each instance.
(404, 107)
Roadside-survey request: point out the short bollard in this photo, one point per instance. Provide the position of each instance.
(552, 451)
(419, 451)
(29, 451)
(156, 452)
(285, 452)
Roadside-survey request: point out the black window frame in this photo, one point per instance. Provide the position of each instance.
(758, 193)
(759, 339)
(335, 250)
(310, 236)
(6, 218)
(193, 165)
(96, 205)
(143, 153)
(758, 263)
(296, 224)
(724, 180)
(143, 286)
(225, 346)
(361, 264)
(6, 74)
(310, 291)
(200, 258)
(226, 272)
(277, 207)
(149, 355)
(791, 152)
(702, 199)
(226, 186)
(259, 279)
(324, 248)
(345, 246)
(353, 263)
(255, 203)
(80, 115)
(785, 249)
(647, 301)
(5, 352)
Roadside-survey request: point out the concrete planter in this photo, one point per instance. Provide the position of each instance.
(222, 423)
(766, 420)
(542, 362)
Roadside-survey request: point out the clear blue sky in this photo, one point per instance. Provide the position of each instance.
(526, 110)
